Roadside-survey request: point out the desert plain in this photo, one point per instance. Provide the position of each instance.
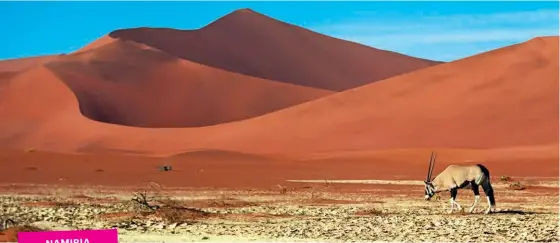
(200, 135)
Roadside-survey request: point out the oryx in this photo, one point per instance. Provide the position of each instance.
(456, 177)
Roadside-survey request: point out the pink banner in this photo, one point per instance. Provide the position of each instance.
(71, 236)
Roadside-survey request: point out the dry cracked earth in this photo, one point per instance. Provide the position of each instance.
(304, 215)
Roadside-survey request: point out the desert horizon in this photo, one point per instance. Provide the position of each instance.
(248, 102)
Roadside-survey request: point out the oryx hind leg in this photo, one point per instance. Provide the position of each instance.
(474, 188)
(489, 191)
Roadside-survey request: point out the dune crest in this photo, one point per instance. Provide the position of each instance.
(253, 44)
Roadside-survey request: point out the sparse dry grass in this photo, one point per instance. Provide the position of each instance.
(317, 214)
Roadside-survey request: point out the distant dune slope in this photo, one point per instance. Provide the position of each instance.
(253, 44)
(506, 97)
(128, 83)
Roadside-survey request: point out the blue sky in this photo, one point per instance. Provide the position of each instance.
(442, 31)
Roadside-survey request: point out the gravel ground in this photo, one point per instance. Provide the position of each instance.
(297, 217)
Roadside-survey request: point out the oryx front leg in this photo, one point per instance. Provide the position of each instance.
(452, 200)
(474, 188)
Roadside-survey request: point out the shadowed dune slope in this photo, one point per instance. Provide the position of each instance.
(505, 97)
(127, 83)
(253, 44)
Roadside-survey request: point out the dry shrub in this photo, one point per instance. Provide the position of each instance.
(181, 215)
(230, 203)
(148, 198)
(316, 193)
(517, 186)
(165, 168)
(226, 201)
(505, 178)
(51, 203)
(30, 150)
(65, 204)
(370, 211)
(283, 189)
(152, 202)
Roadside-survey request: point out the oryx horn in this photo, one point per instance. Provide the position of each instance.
(431, 166)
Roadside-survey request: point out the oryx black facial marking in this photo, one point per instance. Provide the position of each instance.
(456, 177)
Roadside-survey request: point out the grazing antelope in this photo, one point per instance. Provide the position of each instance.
(456, 177)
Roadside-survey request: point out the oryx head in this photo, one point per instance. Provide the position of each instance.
(429, 189)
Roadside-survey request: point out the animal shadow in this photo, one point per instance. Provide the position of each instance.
(511, 211)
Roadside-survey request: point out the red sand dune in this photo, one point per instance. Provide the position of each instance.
(127, 83)
(506, 97)
(253, 44)
(485, 101)
(11, 67)
(505, 101)
(21, 64)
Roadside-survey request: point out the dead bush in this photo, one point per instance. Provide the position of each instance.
(370, 211)
(30, 150)
(517, 186)
(505, 178)
(314, 194)
(165, 168)
(283, 189)
(152, 202)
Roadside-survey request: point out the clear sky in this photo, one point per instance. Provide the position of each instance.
(442, 31)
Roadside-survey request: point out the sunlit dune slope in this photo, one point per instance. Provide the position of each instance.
(506, 97)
